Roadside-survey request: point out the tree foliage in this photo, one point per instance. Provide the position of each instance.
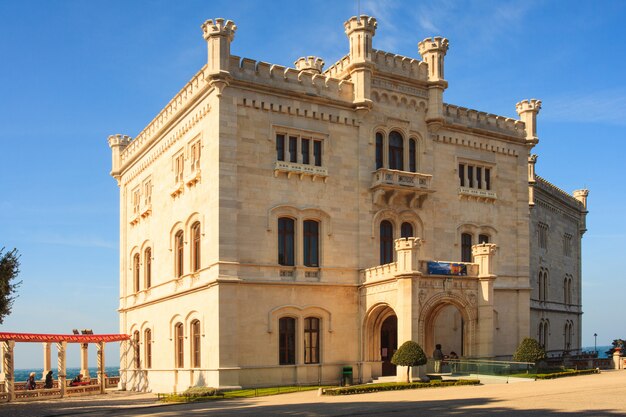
(9, 270)
(409, 354)
(529, 351)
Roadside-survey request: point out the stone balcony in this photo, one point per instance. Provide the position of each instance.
(390, 185)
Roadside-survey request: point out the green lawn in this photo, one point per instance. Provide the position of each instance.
(208, 394)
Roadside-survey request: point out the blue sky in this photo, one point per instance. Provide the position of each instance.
(74, 72)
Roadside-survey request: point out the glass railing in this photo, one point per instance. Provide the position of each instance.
(461, 367)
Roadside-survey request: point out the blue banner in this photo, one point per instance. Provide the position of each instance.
(446, 268)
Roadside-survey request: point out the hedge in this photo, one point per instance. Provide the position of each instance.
(568, 373)
(394, 386)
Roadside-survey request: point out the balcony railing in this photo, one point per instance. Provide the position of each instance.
(395, 178)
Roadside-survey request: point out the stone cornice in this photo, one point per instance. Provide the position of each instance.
(559, 194)
(479, 143)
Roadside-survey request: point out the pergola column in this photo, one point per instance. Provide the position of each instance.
(46, 359)
(124, 346)
(84, 360)
(101, 375)
(7, 362)
(61, 347)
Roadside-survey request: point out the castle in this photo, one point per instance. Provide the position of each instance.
(277, 224)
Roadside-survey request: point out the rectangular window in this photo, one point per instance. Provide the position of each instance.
(287, 341)
(136, 200)
(305, 151)
(311, 243)
(195, 156)
(280, 147)
(379, 150)
(293, 149)
(466, 247)
(286, 241)
(311, 340)
(147, 192)
(462, 174)
(487, 179)
(567, 244)
(317, 152)
(479, 177)
(179, 167)
(470, 176)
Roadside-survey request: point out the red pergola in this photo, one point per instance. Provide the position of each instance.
(7, 345)
(56, 338)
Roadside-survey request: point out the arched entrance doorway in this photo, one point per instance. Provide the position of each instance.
(381, 339)
(388, 344)
(449, 321)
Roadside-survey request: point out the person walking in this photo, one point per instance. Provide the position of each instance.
(438, 357)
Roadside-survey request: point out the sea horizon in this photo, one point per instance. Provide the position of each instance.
(71, 372)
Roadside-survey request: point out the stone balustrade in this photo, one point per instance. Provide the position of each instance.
(395, 178)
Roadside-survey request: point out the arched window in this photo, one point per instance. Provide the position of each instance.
(287, 341)
(147, 266)
(483, 238)
(311, 340)
(567, 335)
(545, 285)
(466, 247)
(178, 253)
(286, 241)
(412, 155)
(541, 286)
(136, 350)
(147, 339)
(195, 247)
(195, 344)
(396, 151)
(386, 242)
(541, 334)
(136, 272)
(406, 230)
(546, 333)
(311, 230)
(179, 352)
(379, 150)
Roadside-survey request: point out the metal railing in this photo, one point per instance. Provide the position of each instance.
(460, 367)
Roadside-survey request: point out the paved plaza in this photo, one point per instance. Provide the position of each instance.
(591, 395)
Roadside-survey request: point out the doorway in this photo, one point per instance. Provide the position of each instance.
(388, 344)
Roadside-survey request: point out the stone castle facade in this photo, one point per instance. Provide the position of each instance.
(277, 224)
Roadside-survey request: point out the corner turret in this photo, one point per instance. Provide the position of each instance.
(527, 111)
(360, 31)
(311, 64)
(218, 33)
(117, 143)
(433, 51)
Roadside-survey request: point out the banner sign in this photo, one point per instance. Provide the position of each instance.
(446, 268)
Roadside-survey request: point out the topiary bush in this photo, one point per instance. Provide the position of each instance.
(409, 354)
(529, 351)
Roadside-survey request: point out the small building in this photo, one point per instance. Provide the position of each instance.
(277, 224)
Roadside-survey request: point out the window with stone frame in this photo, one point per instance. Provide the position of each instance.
(147, 192)
(147, 340)
(194, 156)
(195, 344)
(466, 247)
(179, 244)
(287, 341)
(195, 246)
(386, 242)
(567, 244)
(179, 167)
(136, 200)
(406, 230)
(286, 241)
(147, 267)
(542, 235)
(311, 340)
(136, 267)
(136, 350)
(179, 345)
(475, 176)
(299, 148)
(311, 246)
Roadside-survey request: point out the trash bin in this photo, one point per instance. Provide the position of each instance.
(346, 376)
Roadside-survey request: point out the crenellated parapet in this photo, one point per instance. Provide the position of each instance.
(312, 64)
(291, 79)
(360, 31)
(117, 143)
(527, 111)
(433, 51)
(581, 195)
(470, 118)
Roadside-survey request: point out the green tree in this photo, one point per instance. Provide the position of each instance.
(409, 354)
(9, 270)
(529, 351)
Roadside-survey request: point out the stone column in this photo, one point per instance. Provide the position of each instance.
(123, 365)
(101, 366)
(46, 360)
(61, 348)
(483, 255)
(7, 364)
(407, 308)
(84, 360)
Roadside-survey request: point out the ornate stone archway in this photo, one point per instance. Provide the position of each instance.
(466, 305)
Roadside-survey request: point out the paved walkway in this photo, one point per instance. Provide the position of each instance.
(600, 395)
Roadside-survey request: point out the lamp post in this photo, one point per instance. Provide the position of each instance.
(595, 342)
